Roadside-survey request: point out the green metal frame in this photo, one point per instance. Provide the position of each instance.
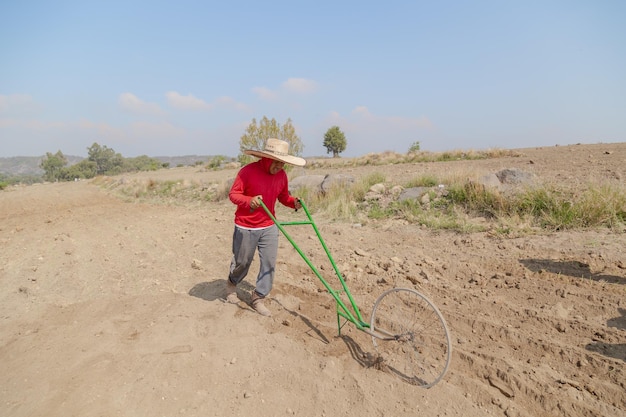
(352, 315)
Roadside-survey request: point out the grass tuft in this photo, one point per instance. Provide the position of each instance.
(461, 204)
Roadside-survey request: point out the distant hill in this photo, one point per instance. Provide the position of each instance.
(186, 160)
(29, 165)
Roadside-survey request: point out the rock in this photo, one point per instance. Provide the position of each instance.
(490, 181)
(396, 190)
(320, 183)
(514, 176)
(377, 188)
(372, 196)
(336, 180)
(313, 182)
(412, 193)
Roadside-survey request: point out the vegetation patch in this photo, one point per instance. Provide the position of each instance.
(467, 206)
(169, 192)
(461, 204)
(386, 158)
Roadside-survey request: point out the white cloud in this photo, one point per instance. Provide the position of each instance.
(231, 103)
(130, 102)
(292, 85)
(265, 93)
(300, 85)
(188, 102)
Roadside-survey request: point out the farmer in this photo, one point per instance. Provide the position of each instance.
(263, 180)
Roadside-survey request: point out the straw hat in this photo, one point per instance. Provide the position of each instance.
(278, 150)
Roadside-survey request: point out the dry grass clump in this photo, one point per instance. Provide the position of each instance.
(466, 205)
(595, 206)
(455, 201)
(459, 155)
(169, 191)
(461, 204)
(341, 202)
(389, 158)
(545, 207)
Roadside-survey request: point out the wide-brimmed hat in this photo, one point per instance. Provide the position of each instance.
(278, 150)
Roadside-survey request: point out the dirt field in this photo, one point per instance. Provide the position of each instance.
(114, 308)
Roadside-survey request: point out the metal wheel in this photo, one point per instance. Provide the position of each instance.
(411, 337)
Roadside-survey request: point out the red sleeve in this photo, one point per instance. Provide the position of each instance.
(237, 195)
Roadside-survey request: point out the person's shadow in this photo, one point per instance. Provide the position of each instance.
(618, 322)
(313, 328)
(582, 270)
(617, 350)
(574, 269)
(214, 290)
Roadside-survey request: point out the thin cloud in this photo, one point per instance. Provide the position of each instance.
(132, 103)
(17, 104)
(265, 93)
(292, 85)
(230, 102)
(156, 130)
(300, 85)
(188, 102)
(405, 123)
(31, 124)
(368, 132)
(103, 130)
(362, 111)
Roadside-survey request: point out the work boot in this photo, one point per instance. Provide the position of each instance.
(259, 306)
(231, 292)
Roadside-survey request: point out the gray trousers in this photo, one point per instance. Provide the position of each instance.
(245, 243)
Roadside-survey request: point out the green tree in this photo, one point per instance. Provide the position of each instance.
(107, 161)
(256, 135)
(85, 169)
(335, 141)
(415, 147)
(53, 165)
(142, 163)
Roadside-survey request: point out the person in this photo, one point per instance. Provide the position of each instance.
(262, 180)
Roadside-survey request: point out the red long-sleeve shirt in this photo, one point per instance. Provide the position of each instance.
(255, 179)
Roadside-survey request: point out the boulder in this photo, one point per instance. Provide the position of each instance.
(336, 180)
(313, 182)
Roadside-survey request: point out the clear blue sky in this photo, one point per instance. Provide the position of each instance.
(186, 77)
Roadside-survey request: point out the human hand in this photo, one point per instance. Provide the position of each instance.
(256, 202)
(298, 204)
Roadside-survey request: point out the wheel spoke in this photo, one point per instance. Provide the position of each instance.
(420, 352)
